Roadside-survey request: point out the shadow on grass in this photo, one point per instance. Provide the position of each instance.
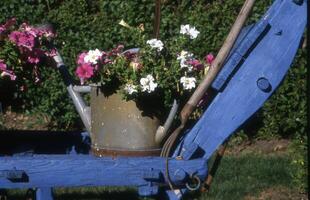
(96, 193)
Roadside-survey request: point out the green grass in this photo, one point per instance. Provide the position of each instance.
(249, 174)
(237, 177)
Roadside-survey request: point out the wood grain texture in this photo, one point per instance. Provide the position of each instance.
(84, 170)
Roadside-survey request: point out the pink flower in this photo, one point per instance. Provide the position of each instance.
(80, 60)
(2, 29)
(84, 71)
(51, 53)
(8, 24)
(34, 56)
(10, 74)
(2, 65)
(22, 39)
(196, 64)
(117, 50)
(130, 55)
(6, 72)
(37, 32)
(209, 58)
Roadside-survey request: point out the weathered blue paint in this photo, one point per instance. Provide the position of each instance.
(255, 67)
(239, 54)
(253, 83)
(86, 170)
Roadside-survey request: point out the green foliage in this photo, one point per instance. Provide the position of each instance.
(300, 162)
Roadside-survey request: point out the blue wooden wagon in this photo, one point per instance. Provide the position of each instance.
(255, 67)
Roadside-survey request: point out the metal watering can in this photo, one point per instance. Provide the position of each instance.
(116, 127)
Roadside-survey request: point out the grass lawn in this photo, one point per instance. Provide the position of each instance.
(247, 176)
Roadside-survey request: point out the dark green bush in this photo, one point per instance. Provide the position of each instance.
(83, 25)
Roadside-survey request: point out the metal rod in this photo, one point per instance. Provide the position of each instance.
(213, 169)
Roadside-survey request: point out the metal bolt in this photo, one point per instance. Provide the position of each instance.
(263, 84)
(180, 175)
(279, 32)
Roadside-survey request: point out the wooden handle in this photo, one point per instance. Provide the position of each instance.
(157, 18)
(219, 60)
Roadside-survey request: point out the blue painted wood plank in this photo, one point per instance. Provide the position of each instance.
(238, 55)
(241, 46)
(83, 170)
(242, 97)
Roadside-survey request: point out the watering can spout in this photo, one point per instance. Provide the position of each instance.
(162, 131)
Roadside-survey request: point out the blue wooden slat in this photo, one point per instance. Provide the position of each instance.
(81, 170)
(234, 58)
(238, 55)
(242, 97)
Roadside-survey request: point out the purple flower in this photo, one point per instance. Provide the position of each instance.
(10, 74)
(51, 53)
(196, 64)
(130, 55)
(34, 56)
(22, 39)
(8, 24)
(117, 50)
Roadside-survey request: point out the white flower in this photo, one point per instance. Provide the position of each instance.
(148, 84)
(185, 29)
(184, 57)
(123, 23)
(156, 44)
(93, 56)
(188, 82)
(130, 88)
(188, 30)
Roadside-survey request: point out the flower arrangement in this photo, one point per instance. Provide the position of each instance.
(22, 51)
(165, 69)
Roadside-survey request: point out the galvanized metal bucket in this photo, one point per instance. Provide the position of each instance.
(119, 127)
